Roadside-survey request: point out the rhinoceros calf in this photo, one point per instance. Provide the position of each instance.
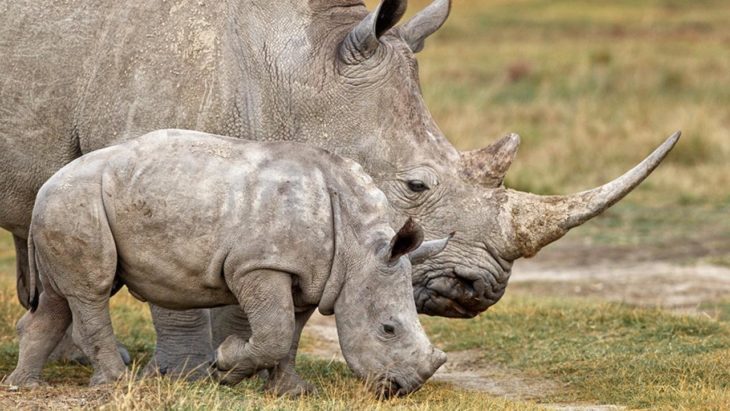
(191, 220)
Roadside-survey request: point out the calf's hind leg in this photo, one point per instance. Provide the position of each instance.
(266, 298)
(93, 333)
(39, 332)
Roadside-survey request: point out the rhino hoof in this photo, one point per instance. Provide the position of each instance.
(16, 382)
(290, 385)
(126, 358)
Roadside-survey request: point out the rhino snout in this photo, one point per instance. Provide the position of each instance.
(436, 360)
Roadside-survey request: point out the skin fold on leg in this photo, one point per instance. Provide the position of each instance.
(266, 299)
(183, 346)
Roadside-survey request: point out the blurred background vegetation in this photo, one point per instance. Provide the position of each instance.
(592, 87)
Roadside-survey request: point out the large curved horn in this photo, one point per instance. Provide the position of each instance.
(364, 39)
(425, 23)
(540, 220)
(488, 166)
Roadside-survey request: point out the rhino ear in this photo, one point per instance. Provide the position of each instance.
(408, 239)
(364, 39)
(425, 23)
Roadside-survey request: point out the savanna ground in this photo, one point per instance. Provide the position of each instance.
(632, 309)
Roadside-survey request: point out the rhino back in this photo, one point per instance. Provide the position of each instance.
(185, 207)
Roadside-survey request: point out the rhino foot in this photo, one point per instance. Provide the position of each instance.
(188, 367)
(101, 378)
(22, 380)
(67, 352)
(288, 384)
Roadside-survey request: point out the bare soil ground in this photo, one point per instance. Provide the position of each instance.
(646, 276)
(673, 278)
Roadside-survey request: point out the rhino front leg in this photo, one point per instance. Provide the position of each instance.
(283, 379)
(183, 343)
(228, 320)
(265, 297)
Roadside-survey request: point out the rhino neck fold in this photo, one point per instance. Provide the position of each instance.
(338, 267)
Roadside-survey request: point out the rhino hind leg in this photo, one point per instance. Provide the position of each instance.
(93, 333)
(283, 379)
(39, 333)
(68, 352)
(265, 297)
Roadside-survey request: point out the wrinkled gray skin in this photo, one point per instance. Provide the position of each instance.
(322, 72)
(191, 220)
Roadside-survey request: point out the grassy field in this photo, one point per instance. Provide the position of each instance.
(591, 87)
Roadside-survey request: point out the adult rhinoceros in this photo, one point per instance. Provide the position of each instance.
(79, 76)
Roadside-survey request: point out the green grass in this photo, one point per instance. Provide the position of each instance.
(605, 353)
(661, 226)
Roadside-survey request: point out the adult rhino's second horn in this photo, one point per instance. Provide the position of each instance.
(539, 220)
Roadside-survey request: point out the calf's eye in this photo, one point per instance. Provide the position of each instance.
(417, 186)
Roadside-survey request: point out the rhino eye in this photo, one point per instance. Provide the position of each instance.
(417, 186)
(388, 329)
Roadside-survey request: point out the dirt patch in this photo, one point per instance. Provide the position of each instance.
(466, 369)
(650, 277)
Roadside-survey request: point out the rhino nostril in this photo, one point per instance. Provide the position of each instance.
(439, 358)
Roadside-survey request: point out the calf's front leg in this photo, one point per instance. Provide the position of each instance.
(266, 299)
(283, 378)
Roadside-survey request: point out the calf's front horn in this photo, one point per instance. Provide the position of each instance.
(539, 220)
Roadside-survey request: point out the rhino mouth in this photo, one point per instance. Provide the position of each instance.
(393, 386)
(458, 294)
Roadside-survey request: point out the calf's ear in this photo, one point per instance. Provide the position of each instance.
(408, 239)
